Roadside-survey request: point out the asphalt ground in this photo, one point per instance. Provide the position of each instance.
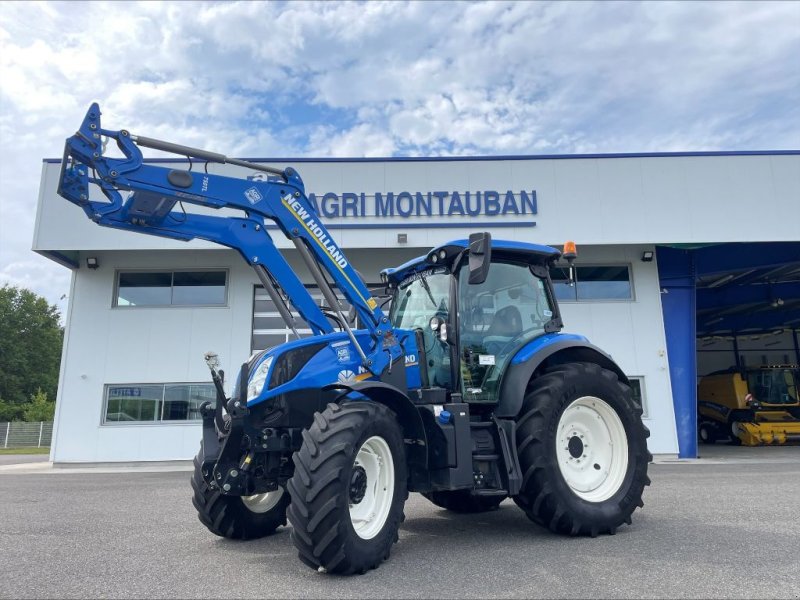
(15, 459)
(717, 528)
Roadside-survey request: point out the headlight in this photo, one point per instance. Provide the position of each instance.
(258, 379)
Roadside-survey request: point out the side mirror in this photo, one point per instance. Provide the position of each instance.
(480, 257)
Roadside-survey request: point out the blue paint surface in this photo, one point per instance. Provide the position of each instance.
(677, 279)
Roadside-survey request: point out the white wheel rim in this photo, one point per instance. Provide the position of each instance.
(262, 503)
(592, 449)
(368, 515)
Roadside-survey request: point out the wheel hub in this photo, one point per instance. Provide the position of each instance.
(371, 487)
(592, 449)
(263, 503)
(575, 447)
(358, 484)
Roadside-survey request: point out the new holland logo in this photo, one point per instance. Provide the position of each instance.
(346, 376)
(253, 195)
(316, 230)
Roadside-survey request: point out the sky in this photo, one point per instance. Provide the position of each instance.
(345, 79)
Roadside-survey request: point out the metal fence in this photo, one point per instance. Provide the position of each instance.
(26, 435)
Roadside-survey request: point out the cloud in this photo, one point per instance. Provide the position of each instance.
(388, 78)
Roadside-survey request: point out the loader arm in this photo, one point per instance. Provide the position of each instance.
(151, 208)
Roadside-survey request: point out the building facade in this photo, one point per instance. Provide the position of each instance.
(143, 310)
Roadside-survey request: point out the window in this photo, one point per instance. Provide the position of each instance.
(171, 288)
(496, 318)
(155, 403)
(593, 283)
(637, 385)
(268, 327)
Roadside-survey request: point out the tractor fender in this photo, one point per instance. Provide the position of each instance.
(407, 415)
(545, 352)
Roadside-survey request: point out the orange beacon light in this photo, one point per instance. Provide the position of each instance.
(570, 252)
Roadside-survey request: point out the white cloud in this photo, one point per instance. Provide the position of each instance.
(382, 78)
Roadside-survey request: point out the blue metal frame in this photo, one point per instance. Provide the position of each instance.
(156, 191)
(676, 271)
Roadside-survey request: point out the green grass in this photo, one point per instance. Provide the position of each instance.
(24, 450)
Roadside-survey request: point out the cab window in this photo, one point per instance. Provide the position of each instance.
(496, 318)
(418, 299)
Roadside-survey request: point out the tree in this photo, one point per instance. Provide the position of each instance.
(30, 348)
(39, 408)
(10, 412)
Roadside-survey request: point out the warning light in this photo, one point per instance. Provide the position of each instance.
(570, 253)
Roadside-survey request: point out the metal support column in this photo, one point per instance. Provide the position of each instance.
(676, 274)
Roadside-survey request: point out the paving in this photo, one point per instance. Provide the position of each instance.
(724, 526)
(15, 459)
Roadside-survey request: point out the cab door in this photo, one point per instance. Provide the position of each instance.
(496, 318)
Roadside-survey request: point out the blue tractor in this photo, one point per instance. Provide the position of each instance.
(465, 391)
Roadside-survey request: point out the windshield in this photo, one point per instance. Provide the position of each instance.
(419, 298)
(773, 386)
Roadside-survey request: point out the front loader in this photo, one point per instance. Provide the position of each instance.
(466, 391)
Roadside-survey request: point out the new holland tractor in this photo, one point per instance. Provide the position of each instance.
(464, 391)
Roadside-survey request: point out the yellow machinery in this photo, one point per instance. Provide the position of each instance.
(754, 406)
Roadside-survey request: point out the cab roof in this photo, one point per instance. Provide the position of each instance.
(504, 249)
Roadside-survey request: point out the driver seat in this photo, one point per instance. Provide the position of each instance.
(507, 322)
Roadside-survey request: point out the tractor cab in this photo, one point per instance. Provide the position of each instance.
(474, 304)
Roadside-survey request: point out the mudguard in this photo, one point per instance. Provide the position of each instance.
(550, 349)
(407, 415)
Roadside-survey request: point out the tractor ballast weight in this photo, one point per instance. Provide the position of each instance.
(466, 391)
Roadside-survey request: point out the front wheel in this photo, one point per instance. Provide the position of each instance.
(349, 488)
(237, 517)
(583, 451)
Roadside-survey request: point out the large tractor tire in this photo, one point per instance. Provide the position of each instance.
(583, 451)
(349, 488)
(461, 501)
(237, 517)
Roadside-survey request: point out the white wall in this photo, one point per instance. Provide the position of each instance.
(614, 208)
(631, 200)
(107, 345)
(633, 334)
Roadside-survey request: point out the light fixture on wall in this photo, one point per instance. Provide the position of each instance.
(91, 262)
(647, 256)
(402, 238)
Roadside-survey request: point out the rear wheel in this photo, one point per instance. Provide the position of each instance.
(237, 517)
(349, 488)
(707, 433)
(734, 430)
(582, 449)
(462, 501)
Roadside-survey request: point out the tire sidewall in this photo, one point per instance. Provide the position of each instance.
(384, 425)
(627, 496)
